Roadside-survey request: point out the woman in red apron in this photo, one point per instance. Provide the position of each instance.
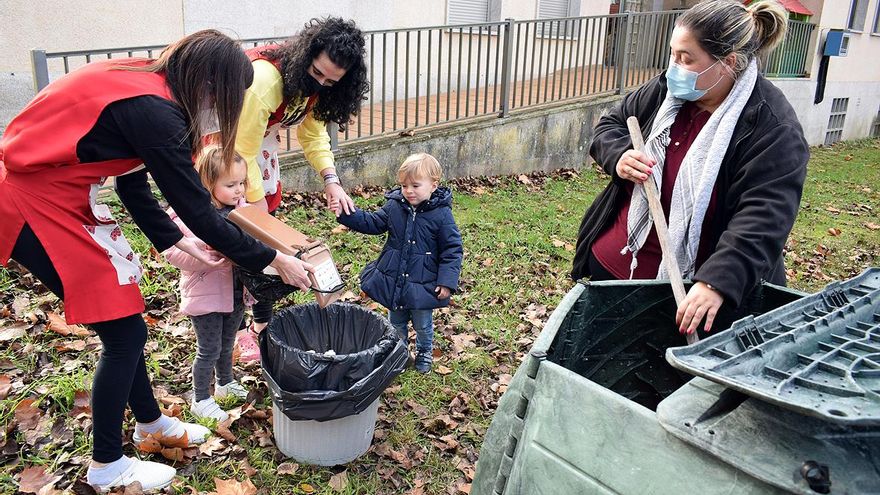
(124, 118)
(316, 77)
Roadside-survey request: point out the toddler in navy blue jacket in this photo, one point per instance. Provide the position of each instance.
(419, 266)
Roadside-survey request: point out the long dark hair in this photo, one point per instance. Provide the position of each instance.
(206, 65)
(344, 44)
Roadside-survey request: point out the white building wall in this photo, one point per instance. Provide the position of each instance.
(56, 25)
(92, 24)
(856, 76)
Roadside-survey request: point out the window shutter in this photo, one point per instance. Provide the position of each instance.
(468, 11)
(550, 9)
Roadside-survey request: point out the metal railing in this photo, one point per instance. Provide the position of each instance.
(789, 59)
(429, 76)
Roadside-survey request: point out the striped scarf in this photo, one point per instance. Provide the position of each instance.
(696, 176)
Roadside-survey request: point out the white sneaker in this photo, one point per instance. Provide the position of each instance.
(232, 388)
(151, 475)
(173, 427)
(208, 408)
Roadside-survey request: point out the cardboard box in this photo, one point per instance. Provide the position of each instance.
(326, 283)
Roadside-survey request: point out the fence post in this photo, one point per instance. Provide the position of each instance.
(39, 69)
(505, 67)
(333, 131)
(623, 53)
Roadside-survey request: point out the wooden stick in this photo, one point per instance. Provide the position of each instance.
(656, 208)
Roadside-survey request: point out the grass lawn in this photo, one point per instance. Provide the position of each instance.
(519, 235)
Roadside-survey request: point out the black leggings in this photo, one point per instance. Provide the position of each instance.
(263, 309)
(121, 374)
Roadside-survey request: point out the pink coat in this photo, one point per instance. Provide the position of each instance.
(203, 289)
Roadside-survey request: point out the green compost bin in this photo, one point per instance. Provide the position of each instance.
(595, 408)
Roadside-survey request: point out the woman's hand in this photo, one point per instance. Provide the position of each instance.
(338, 200)
(293, 271)
(634, 166)
(701, 301)
(200, 251)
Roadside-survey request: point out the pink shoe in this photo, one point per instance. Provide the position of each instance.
(249, 345)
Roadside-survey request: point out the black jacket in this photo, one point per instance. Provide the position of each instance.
(759, 187)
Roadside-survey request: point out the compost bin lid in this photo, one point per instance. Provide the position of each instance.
(818, 356)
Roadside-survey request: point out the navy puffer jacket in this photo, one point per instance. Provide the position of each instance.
(423, 250)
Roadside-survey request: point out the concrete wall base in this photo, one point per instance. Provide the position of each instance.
(541, 139)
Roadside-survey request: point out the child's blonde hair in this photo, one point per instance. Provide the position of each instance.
(210, 165)
(420, 165)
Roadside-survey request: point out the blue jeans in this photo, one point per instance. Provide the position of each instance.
(422, 322)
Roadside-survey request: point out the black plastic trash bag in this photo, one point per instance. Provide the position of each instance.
(262, 286)
(311, 385)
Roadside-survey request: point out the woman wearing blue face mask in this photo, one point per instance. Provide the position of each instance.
(317, 76)
(727, 154)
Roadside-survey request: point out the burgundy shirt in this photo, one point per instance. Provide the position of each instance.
(688, 123)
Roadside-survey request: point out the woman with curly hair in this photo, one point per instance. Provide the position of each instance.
(315, 77)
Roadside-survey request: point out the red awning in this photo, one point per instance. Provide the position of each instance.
(793, 6)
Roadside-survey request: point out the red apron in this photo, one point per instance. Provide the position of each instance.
(48, 188)
(285, 116)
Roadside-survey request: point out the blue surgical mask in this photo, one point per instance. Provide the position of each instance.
(682, 83)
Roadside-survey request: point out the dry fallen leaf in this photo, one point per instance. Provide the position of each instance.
(27, 414)
(339, 481)
(339, 229)
(13, 332)
(211, 446)
(134, 489)
(834, 231)
(5, 386)
(234, 487)
(34, 479)
(872, 226)
(172, 442)
(223, 431)
(287, 468)
(558, 243)
(70, 346)
(175, 454)
(442, 370)
(248, 469)
(59, 326)
(306, 488)
(150, 445)
(81, 403)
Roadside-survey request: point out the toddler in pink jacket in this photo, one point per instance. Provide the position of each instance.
(212, 296)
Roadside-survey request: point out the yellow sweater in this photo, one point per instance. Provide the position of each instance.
(261, 99)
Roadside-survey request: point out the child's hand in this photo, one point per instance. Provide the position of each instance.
(442, 292)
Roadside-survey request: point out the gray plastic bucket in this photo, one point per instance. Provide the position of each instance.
(325, 443)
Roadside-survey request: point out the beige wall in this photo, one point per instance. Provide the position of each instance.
(92, 24)
(58, 25)
(863, 46)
